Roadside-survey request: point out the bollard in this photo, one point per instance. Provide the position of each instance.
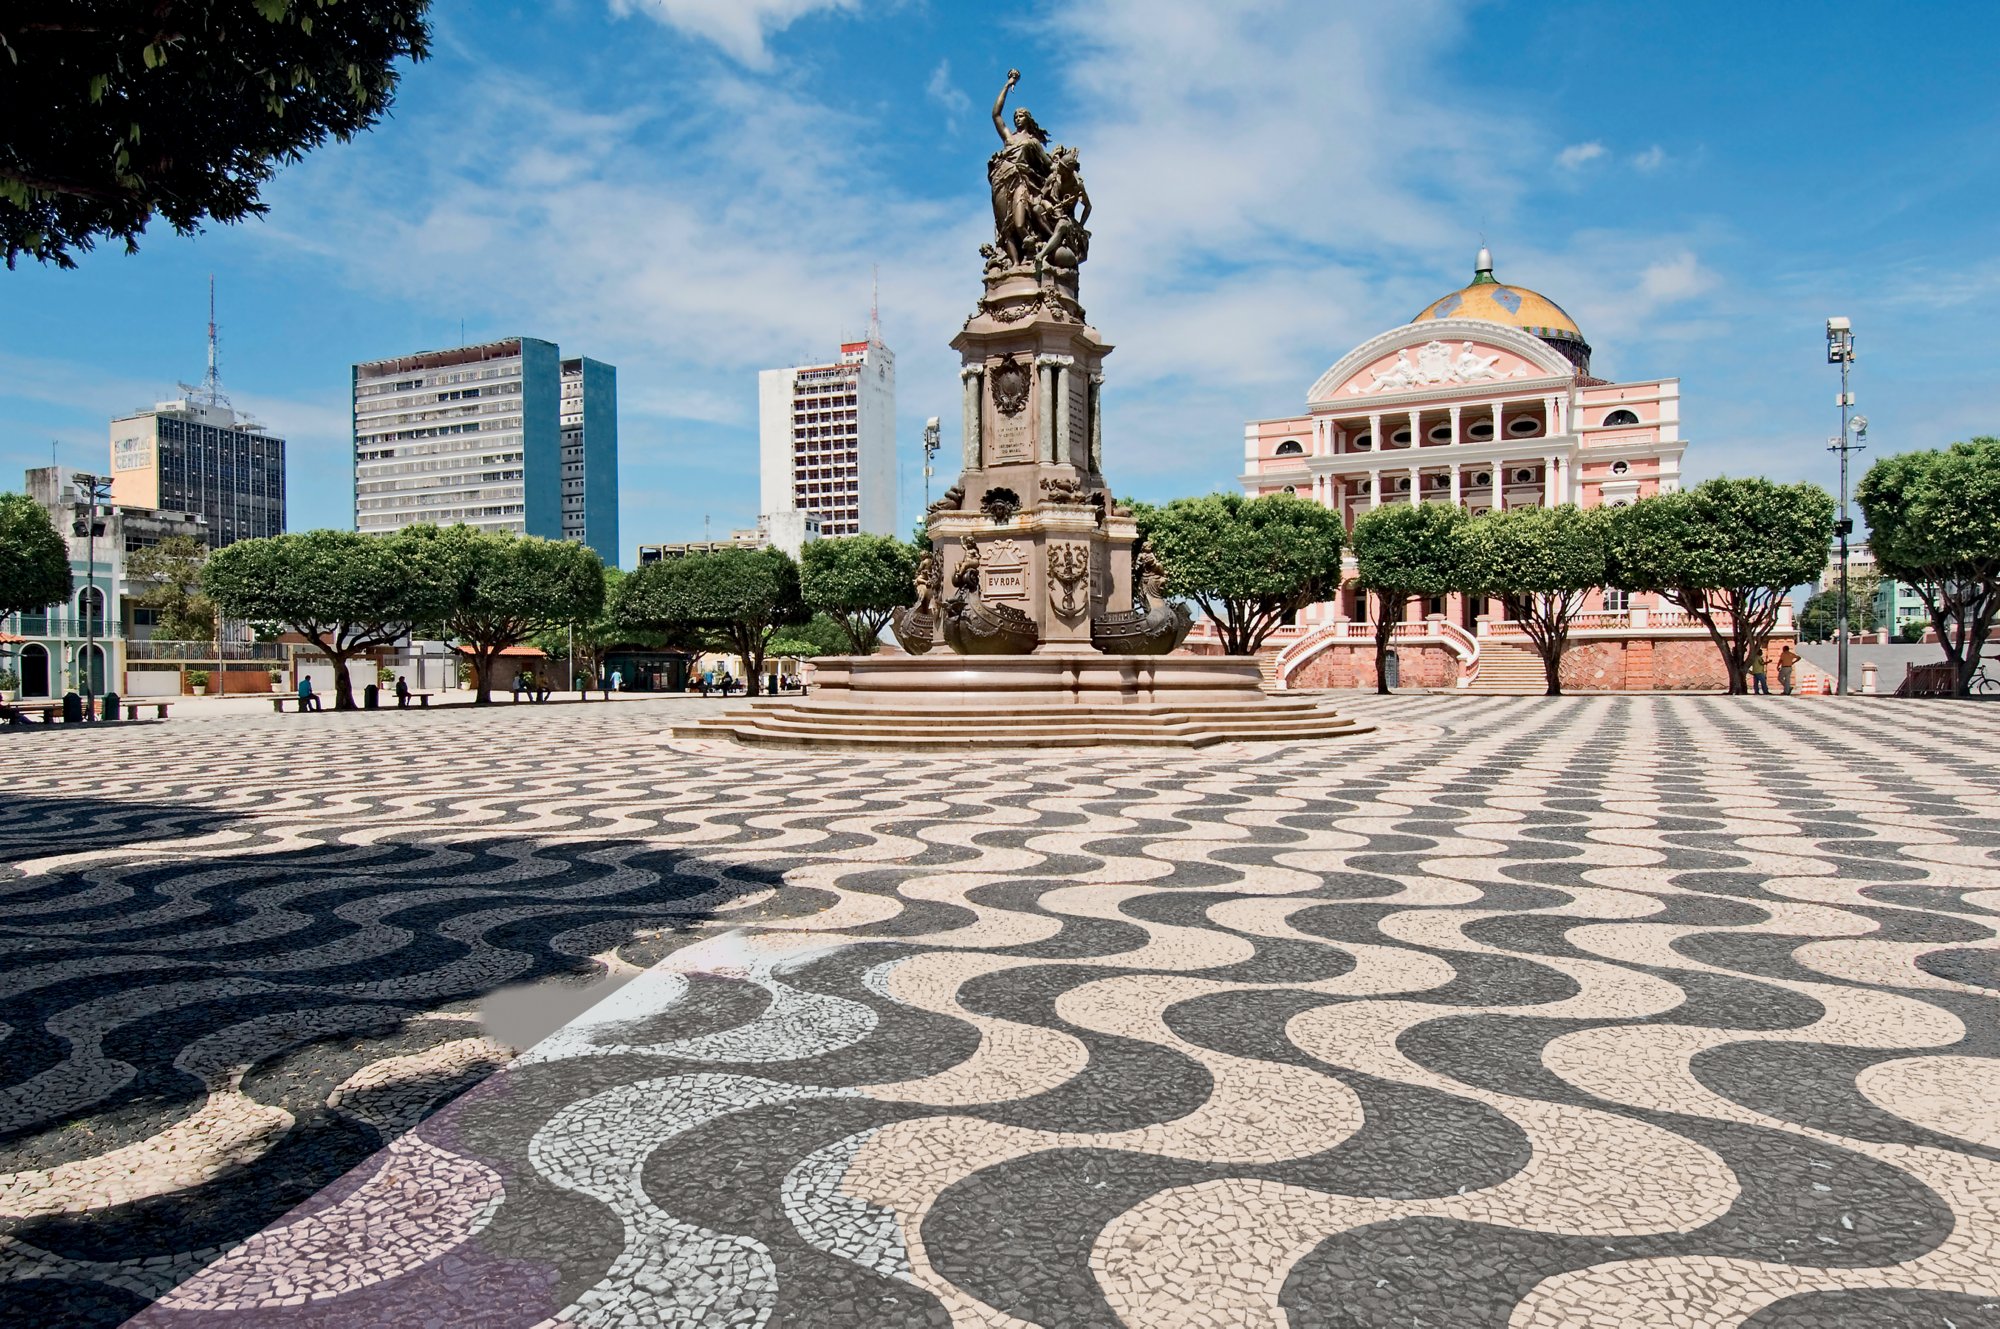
(72, 708)
(1867, 678)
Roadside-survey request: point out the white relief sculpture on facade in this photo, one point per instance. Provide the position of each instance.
(1435, 365)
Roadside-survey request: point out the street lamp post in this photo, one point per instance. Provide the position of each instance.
(1840, 351)
(930, 451)
(95, 489)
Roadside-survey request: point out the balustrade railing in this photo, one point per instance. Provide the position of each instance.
(274, 651)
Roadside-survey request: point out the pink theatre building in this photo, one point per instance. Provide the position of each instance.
(1486, 400)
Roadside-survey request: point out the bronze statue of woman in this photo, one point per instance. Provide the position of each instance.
(1017, 173)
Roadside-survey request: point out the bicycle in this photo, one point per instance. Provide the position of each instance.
(1981, 683)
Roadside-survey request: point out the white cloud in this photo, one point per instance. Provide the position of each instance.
(947, 94)
(740, 27)
(1651, 159)
(1577, 154)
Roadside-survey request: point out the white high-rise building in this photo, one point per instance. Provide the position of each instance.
(506, 436)
(827, 440)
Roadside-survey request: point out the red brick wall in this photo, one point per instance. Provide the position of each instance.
(1353, 666)
(1671, 665)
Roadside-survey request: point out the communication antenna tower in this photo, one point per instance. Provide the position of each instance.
(209, 392)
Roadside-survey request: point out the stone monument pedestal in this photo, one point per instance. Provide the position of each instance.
(1039, 619)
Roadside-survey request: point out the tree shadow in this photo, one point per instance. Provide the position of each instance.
(126, 982)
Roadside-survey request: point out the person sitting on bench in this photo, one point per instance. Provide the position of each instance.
(308, 699)
(402, 693)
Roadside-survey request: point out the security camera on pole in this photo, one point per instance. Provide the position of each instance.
(1840, 351)
(931, 434)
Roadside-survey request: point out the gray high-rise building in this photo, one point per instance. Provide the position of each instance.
(201, 457)
(502, 436)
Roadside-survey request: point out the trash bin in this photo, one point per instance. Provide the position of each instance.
(1393, 668)
(110, 709)
(371, 697)
(72, 708)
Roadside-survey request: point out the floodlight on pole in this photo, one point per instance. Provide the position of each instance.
(931, 435)
(1840, 351)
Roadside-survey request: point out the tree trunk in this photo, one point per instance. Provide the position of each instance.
(482, 676)
(1385, 632)
(343, 686)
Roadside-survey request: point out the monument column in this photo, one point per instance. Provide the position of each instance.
(1097, 424)
(972, 379)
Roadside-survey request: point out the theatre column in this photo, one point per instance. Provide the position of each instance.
(1375, 489)
(1455, 499)
(1549, 490)
(1416, 485)
(1499, 485)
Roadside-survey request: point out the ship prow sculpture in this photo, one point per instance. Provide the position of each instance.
(1040, 619)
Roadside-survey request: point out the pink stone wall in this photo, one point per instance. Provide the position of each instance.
(1343, 665)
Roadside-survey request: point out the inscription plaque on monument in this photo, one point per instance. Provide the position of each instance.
(1011, 444)
(1006, 571)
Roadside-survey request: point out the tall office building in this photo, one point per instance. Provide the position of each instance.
(827, 440)
(199, 455)
(477, 435)
(590, 454)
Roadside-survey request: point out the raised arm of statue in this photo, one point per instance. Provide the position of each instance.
(1000, 104)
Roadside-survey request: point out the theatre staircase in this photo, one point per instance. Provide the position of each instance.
(1508, 671)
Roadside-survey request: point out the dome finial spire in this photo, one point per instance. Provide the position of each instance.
(1482, 266)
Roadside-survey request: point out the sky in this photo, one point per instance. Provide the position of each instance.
(694, 190)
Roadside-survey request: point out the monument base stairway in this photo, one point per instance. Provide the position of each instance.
(905, 704)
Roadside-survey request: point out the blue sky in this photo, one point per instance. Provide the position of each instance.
(696, 189)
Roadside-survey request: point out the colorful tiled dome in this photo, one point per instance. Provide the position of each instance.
(1491, 301)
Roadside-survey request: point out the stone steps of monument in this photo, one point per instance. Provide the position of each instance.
(888, 728)
(1508, 671)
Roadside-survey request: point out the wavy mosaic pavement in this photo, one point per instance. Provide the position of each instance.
(1660, 1012)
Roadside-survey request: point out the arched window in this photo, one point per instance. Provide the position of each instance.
(1401, 435)
(1439, 434)
(1620, 467)
(1363, 442)
(1524, 425)
(1291, 447)
(1403, 485)
(1292, 490)
(1622, 417)
(1479, 429)
(90, 610)
(35, 670)
(1483, 478)
(1524, 476)
(1361, 486)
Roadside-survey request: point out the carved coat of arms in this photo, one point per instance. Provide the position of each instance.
(1010, 386)
(1069, 571)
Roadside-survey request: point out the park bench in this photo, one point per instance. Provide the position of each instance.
(280, 700)
(422, 699)
(132, 709)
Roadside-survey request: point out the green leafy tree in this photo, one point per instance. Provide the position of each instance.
(1544, 559)
(1250, 563)
(823, 634)
(858, 581)
(34, 557)
(173, 566)
(345, 593)
(506, 588)
(746, 596)
(116, 110)
(1728, 552)
(1820, 619)
(1405, 550)
(1934, 523)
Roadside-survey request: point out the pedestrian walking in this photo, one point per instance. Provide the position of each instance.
(402, 693)
(308, 699)
(617, 683)
(1759, 667)
(1788, 662)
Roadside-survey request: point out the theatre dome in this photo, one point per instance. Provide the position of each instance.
(1489, 300)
